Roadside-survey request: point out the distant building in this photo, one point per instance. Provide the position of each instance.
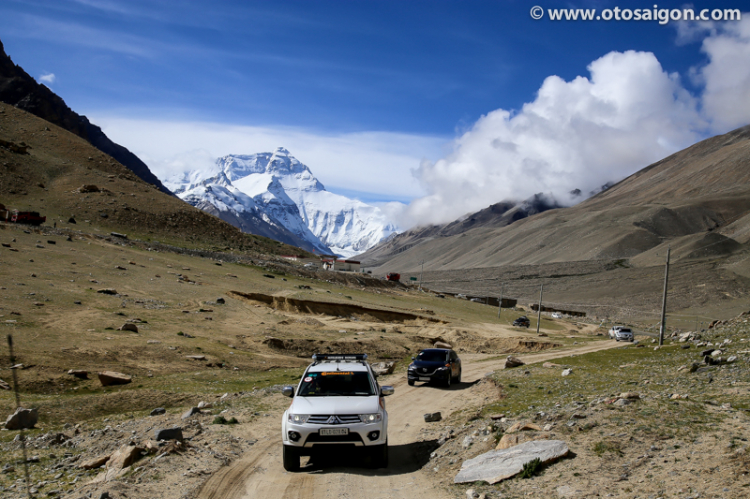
(332, 262)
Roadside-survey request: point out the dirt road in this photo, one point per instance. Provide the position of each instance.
(260, 473)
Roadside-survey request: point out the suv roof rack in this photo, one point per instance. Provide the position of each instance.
(339, 357)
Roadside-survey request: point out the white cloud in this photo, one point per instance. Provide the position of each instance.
(583, 133)
(47, 78)
(726, 97)
(577, 134)
(369, 162)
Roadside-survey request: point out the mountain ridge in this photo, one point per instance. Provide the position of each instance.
(703, 188)
(19, 89)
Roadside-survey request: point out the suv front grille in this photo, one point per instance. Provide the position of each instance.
(334, 419)
(351, 438)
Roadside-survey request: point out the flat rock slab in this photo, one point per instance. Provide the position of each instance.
(108, 378)
(97, 462)
(497, 465)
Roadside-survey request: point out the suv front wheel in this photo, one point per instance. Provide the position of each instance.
(291, 458)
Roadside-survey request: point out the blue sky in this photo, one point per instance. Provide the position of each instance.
(388, 100)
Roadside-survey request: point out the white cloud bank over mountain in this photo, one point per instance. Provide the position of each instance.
(580, 134)
(583, 133)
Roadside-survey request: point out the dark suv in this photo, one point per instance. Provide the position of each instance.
(522, 321)
(435, 364)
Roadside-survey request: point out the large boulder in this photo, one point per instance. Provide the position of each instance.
(190, 412)
(523, 426)
(497, 465)
(22, 419)
(383, 368)
(513, 362)
(168, 434)
(79, 373)
(108, 378)
(442, 344)
(431, 417)
(129, 326)
(124, 457)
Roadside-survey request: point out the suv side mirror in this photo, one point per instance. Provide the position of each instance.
(288, 391)
(386, 390)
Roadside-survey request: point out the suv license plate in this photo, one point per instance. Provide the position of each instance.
(334, 431)
(424, 379)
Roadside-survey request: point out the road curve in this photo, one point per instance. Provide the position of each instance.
(259, 473)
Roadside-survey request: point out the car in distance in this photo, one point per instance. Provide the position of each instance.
(522, 321)
(621, 333)
(338, 401)
(435, 364)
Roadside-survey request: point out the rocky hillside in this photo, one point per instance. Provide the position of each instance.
(19, 89)
(697, 200)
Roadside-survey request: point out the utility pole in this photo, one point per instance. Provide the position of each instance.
(664, 301)
(420, 276)
(500, 300)
(539, 314)
(18, 406)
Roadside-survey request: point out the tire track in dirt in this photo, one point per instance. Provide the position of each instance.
(261, 474)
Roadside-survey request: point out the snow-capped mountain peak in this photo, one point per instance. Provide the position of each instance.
(282, 192)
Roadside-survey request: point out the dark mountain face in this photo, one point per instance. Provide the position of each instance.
(19, 89)
(494, 216)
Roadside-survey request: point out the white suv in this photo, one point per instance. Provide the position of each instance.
(621, 333)
(338, 401)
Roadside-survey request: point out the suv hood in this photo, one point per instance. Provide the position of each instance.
(335, 405)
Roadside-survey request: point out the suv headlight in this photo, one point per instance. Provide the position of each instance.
(370, 418)
(298, 418)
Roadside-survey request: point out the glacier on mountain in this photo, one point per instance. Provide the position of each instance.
(275, 195)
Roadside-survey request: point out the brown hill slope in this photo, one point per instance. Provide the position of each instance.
(19, 89)
(50, 166)
(702, 190)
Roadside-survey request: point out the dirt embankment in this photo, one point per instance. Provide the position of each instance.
(334, 309)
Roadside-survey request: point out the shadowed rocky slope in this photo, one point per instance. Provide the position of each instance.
(19, 89)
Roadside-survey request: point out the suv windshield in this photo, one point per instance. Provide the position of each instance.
(333, 383)
(432, 356)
